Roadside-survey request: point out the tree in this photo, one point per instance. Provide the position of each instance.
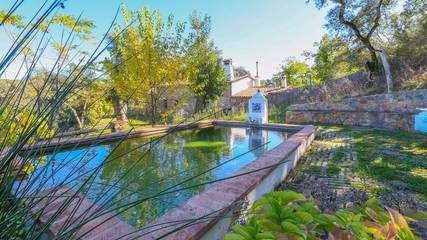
(296, 73)
(67, 50)
(14, 20)
(334, 59)
(240, 71)
(90, 101)
(359, 19)
(147, 60)
(206, 73)
(406, 35)
(68, 53)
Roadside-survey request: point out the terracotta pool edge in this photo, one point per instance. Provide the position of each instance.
(69, 142)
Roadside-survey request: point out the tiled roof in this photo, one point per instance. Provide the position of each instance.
(241, 78)
(249, 92)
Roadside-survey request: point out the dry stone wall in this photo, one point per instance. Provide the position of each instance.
(349, 86)
(390, 111)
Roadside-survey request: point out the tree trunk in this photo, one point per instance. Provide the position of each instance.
(153, 108)
(387, 71)
(200, 104)
(76, 116)
(83, 114)
(120, 107)
(373, 64)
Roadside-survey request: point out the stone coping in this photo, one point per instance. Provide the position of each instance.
(76, 208)
(65, 143)
(194, 218)
(355, 111)
(269, 126)
(402, 102)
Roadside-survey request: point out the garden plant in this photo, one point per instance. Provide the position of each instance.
(290, 215)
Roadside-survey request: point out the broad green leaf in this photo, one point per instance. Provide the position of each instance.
(380, 217)
(309, 207)
(259, 205)
(289, 196)
(265, 235)
(269, 225)
(303, 217)
(324, 221)
(233, 236)
(286, 212)
(291, 229)
(244, 231)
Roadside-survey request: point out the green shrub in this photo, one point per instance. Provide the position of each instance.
(289, 215)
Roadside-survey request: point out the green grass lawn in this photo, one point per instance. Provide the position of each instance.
(349, 164)
(396, 160)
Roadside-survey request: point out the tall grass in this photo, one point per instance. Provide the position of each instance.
(25, 192)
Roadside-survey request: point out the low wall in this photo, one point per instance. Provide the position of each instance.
(349, 86)
(56, 144)
(390, 111)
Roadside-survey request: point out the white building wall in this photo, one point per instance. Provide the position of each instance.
(240, 85)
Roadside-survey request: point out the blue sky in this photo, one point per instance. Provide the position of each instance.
(247, 31)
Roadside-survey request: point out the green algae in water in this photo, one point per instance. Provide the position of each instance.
(204, 144)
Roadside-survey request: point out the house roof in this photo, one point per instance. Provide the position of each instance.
(241, 78)
(249, 92)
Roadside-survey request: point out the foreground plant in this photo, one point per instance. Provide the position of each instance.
(289, 215)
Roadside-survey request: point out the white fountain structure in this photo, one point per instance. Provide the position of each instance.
(258, 109)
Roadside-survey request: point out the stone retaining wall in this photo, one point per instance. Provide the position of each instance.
(349, 86)
(390, 111)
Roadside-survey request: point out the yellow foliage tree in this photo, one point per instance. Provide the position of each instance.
(146, 63)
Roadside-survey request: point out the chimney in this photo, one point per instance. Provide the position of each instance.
(228, 66)
(257, 75)
(309, 80)
(257, 81)
(284, 82)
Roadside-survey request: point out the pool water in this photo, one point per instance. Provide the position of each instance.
(159, 173)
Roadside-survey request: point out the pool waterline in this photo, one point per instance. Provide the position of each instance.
(213, 153)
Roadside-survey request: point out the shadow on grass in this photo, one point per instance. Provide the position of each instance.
(391, 157)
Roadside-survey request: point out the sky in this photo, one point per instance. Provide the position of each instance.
(247, 31)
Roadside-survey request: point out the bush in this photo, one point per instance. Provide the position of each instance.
(289, 215)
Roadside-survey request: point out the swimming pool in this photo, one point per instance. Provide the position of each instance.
(159, 173)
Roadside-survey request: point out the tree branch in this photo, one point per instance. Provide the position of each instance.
(377, 19)
(76, 115)
(349, 23)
